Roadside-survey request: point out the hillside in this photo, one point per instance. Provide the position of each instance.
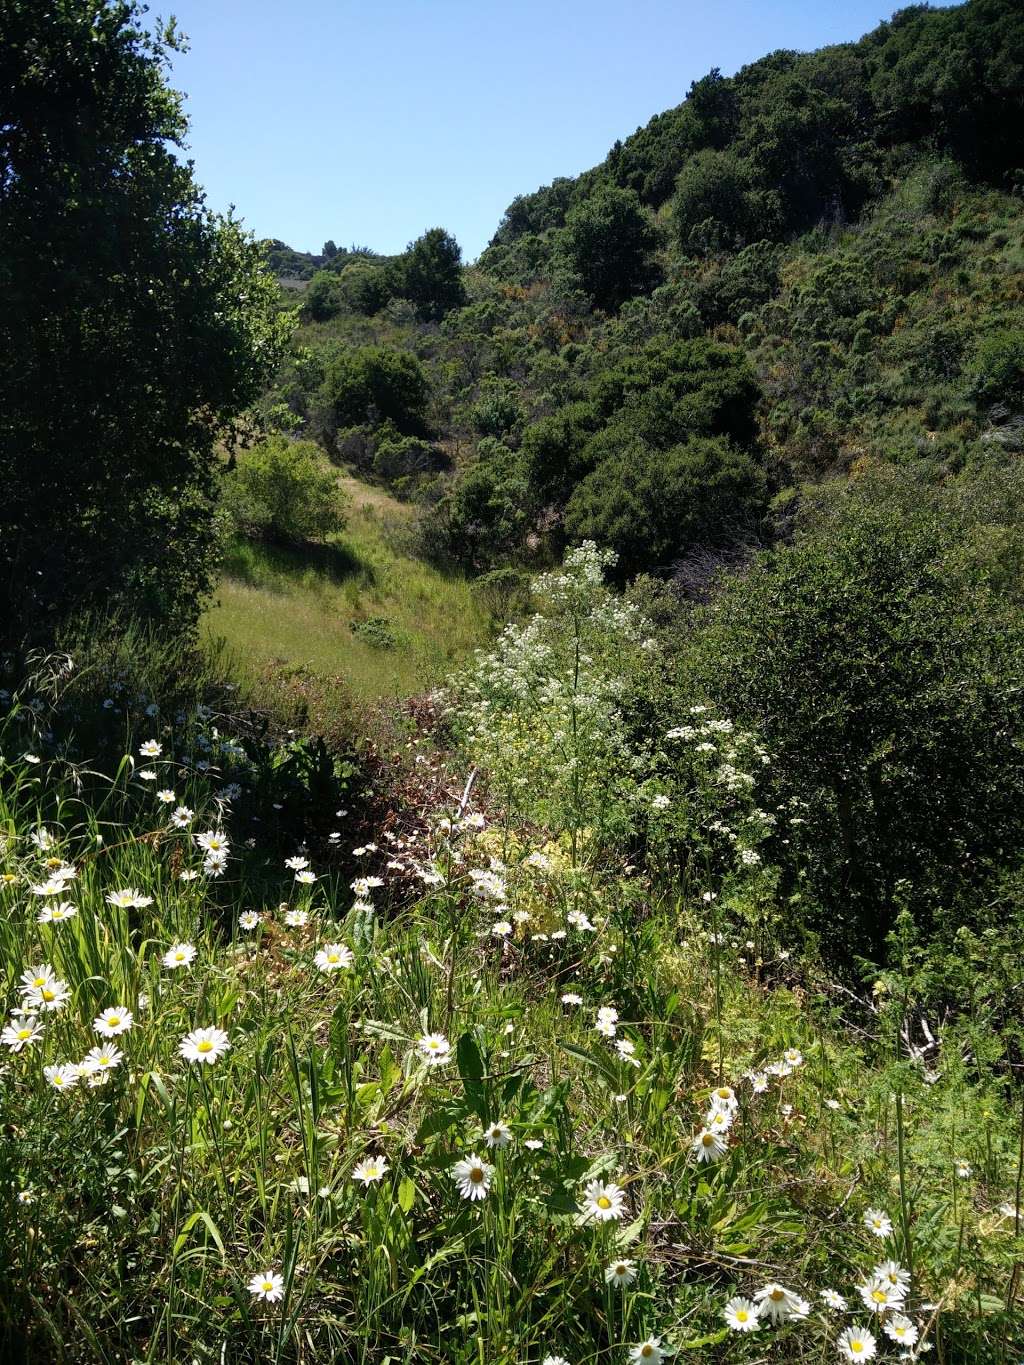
(804, 270)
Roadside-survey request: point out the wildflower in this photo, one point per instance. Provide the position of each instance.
(741, 1315)
(370, 1170)
(52, 886)
(606, 1027)
(21, 1033)
(660, 803)
(268, 1286)
(718, 1120)
(334, 957)
(473, 1177)
(179, 955)
(554, 1360)
(213, 841)
(56, 914)
(181, 816)
(52, 995)
(113, 1021)
(534, 1144)
(296, 919)
(188, 875)
(620, 1273)
(724, 1097)
(758, 1082)
(305, 877)
(151, 749)
(129, 899)
(26, 1197)
(248, 919)
(146, 775)
(215, 864)
(878, 1222)
(204, 1045)
(166, 797)
(579, 921)
(62, 1076)
(833, 1105)
(901, 1330)
(32, 978)
(571, 998)
(894, 1274)
(296, 864)
(833, 1300)
(498, 1134)
(649, 1352)
(793, 1057)
(856, 1344)
(626, 1049)
(103, 1058)
(964, 1169)
(501, 928)
(608, 1014)
(710, 1146)
(879, 1294)
(602, 1202)
(434, 1048)
(776, 1303)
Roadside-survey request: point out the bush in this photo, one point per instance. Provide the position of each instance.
(284, 492)
(884, 671)
(650, 506)
(609, 240)
(998, 369)
(323, 297)
(372, 384)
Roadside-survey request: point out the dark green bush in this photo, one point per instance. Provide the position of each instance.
(882, 668)
(285, 491)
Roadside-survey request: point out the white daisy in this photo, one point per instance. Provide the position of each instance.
(151, 749)
(179, 955)
(776, 1303)
(204, 1045)
(649, 1352)
(113, 1021)
(878, 1222)
(856, 1344)
(434, 1048)
(498, 1134)
(268, 1285)
(296, 919)
(370, 1170)
(21, 1033)
(831, 1299)
(305, 877)
(710, 1146)
(620, 1273)
(879, 1295)
(334, 957)
(741, 1315)
(103, 1058)
(213, 841)
(62, 1076)
(248, 919)
(602, 1201)
(56, 914)
(901, 1330)
(473, 1177)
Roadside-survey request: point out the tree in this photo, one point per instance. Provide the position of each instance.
(610, 240)
(283, 491)
(650, 506)
(330, 249)
(370, 385)
(322, 298)
(135, 324)
(432, 275)
(710, 207)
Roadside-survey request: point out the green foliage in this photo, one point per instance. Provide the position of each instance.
(609, 241)
(372, 384)
(998, 369)
(135, 325)
(650, 506)
(283, 491)
(711, 206)
(322, 299)
(431, 275)
(880, 663)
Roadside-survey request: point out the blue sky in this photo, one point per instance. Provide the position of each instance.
(370, 122)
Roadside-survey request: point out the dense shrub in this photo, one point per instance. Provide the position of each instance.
(372, 384)
(650, 506)
(883, 669)
(284, 491)
(610, 240)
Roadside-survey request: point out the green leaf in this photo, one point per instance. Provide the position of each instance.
(406, 1195)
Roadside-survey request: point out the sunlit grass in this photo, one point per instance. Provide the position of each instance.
(275, 605)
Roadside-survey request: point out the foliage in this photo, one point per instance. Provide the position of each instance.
(431, 275)
(135, 325)
(283, 491)
(880, 663)
(609, 241)
(372, 384)
(650, 506)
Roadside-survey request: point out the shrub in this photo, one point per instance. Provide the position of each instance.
(372, 384)
(609, 240)
(883, 670)
(650, 506)
(283, 491)
(998, 369)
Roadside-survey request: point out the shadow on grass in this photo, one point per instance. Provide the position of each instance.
(261, 564)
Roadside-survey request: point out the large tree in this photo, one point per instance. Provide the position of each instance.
(135, 324)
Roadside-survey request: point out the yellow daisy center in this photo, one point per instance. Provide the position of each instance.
(777, 1296)
(267, 1286)
(47, 994)
(476, 1175)
(204, 1046)
(24, 1033)
(879, 1295)
(856, 1347)
(604, 1202)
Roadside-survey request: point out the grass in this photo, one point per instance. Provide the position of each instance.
(614, 1038)
(276, 606)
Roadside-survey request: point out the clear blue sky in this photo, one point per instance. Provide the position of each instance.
(370, 122)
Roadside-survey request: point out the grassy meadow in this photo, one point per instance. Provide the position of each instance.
(308, 609)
